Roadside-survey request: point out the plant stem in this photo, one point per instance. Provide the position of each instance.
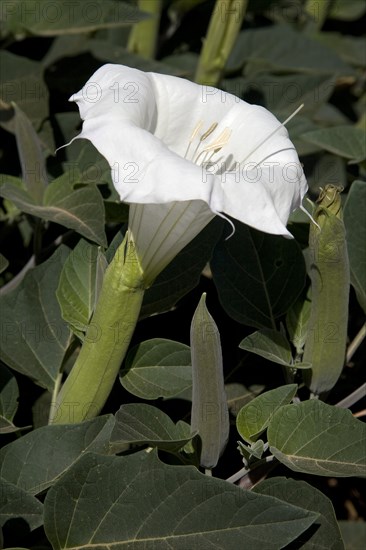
(356, 342)
(352, 398)
(224, 27)
(143, 36)
(245, 471)
(88, 386)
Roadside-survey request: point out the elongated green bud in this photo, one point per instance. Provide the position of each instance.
(330, 279)
(210, 415)
(90, 381)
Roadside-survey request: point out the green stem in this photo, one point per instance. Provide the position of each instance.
(224, 27)
(143, 36)
(88, 386)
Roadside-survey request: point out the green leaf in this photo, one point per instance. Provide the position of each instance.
(352, 49)
(254, 417)
(327, 168)
(270, 344)
(84, 165)
(238, 396)
(281, 49)
(145, 503)
(319, 439)
(105, 51)
(255, 450)
(34, 336)
(258, 276)
(354, 220)
(3, 263)
(37, 18)
(183, 273)
(157, 368)
(282, 94)
(22, 83)
(79, 209)
(353, 534)
(112, 53)
(16, 504)
(32, 158)
(346, 141)
(80, 284)
(297, 320)
(142, 424)
(9, 395)
(326, 532)
(39, 458)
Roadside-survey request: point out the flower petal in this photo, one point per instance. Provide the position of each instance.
(161, 231)
(142, 123)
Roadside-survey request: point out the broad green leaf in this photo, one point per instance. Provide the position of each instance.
(353, 534)
(346, 141)
(258, 276)
(22, 83)
(31, 155)
(79, 209)
(282, 94)
(270, 344)
(145, 503)
(38, 459)
(327, 168)
(85, 165)
(354, 220)
(42, 18)
(157, 368)
(280, 49)
(352, 49)
(254, 417)
(106, 51)
(238, 396)
(9, 395)
(183, 273)
(17, 504)
(3, 263)
(79, 285)
(141, 424)
(319, 439)
(183, 61)
(34, 336)
(326, 531)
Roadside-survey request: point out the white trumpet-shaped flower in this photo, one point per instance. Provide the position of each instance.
(181, 153)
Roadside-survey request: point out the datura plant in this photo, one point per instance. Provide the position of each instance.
(181, 309)
(180, 154)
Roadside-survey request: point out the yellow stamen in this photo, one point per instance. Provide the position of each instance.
(193, 136)
(211, 129)
(215, 146)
